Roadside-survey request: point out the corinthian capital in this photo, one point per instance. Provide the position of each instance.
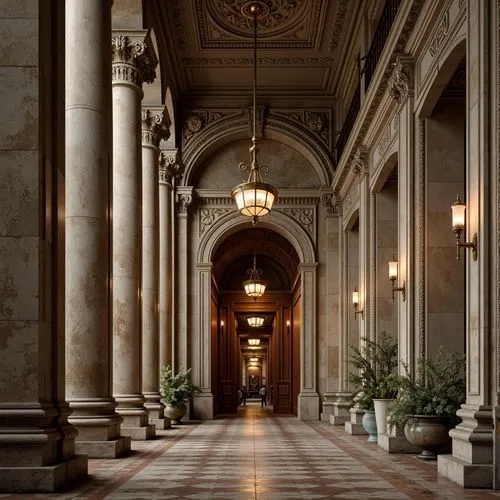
(400, 83)
(170, 166)
(133, 57)
(155, 125)
(184, 199)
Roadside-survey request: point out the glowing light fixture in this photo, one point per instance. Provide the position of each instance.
(393, 276)
(355, 303)
(254, 287)
(254, 198)
(458, 223)
(253, 341)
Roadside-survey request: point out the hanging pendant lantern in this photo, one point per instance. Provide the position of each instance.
(254, 287)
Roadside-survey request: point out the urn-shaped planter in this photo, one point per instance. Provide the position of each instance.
(381, 414)
(370, 425)
(430, 433)
(175, 412)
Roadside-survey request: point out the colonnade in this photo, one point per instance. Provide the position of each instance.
(105, 280)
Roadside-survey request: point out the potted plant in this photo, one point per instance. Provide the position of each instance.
(176, 389)
(374, 379)
(426, 404)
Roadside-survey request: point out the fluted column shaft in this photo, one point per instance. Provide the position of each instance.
(154, 128)
(133, 63)
(88, 143)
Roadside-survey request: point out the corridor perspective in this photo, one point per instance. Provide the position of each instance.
(258, 455)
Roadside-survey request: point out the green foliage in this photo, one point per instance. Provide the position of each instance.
(374, 364)
(438, 389)
(178, 388)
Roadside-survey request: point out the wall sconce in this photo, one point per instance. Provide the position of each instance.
(288, 326)
(355, 303)
(393, 276)
(458, 223)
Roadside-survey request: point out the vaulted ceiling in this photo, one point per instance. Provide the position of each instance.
(207, 46)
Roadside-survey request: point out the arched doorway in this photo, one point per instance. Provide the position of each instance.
(235, 361)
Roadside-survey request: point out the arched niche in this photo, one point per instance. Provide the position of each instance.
(232, 129)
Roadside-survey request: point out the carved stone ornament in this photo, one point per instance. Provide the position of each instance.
(170, 166)
(359, 162)
(261, 110)
(304, 216)
(209, 215)
(317, 122)
(184, 201)
(133, 60)
(281, 23)
(331, 202)
(400, 83)
(195, 121)
(154, 127)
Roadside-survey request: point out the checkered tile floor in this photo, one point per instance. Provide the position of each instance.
(260, 456)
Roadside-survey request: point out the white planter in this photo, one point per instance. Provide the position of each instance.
(381, 414)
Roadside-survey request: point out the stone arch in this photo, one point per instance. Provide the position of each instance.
(447, 64)
(384, 172)
(276, 221)
(229, 129)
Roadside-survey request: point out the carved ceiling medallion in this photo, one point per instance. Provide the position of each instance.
(281, 23)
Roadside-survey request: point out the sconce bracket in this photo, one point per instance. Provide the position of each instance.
(401, 289)
(467, 244)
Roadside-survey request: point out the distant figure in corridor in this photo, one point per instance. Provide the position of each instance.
(244, 395)
(263, 396)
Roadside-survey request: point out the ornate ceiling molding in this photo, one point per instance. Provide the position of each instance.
(338, 25)
(261, 61)
(290, 24)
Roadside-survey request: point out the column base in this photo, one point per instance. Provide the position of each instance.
(336, 420)
(354, 429)
(113, 448)
(396, 444)
(142, 433)
(308, 406)
(465, 474)
(203, 406)
(45, 479)
(353, 426)
(160, 424)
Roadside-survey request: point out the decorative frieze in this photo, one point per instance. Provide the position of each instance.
(305, 217)
(261, 61)
(133, 58)
(155, 125)
(316, 121)
(400, 83)
(196, 120)
(389, 133)
(331, 201)
(441, 33)
(210, 215)
(350, 199)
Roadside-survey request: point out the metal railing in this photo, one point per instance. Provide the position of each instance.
(370, 64)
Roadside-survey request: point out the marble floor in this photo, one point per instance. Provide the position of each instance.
(257, 455)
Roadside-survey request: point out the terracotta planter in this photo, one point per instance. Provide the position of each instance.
(381, 414)
(175, 412)
(370, 425)
(429, 433)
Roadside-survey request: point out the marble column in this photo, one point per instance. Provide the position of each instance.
(88, 151)
(133, 63)
(181, 351)
(169, 166)
(37, 445)
(471, 464)
(308, 399)
(155, 124)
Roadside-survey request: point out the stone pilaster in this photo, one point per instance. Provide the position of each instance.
(88, 145)
(203, 402)
(181, 345)
(308, 399)
(169, 165)
(133, 61)
(155, 123)
(471, 464)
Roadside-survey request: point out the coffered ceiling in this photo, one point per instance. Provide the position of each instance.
(208, 46)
